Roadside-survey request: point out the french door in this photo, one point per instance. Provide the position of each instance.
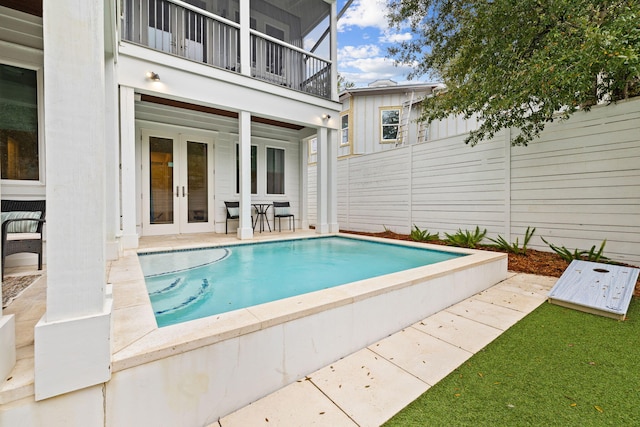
(177, 183)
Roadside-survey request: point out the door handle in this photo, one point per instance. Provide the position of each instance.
(183, 193)
(177, 191)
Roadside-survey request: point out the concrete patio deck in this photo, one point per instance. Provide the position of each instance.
(368, 387)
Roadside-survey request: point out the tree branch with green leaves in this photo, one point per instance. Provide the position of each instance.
(520, 64)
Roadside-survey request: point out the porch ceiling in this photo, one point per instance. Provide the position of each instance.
(310, 12)
(32, 7)
(216, 111)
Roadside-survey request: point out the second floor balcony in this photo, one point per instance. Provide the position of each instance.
(288, 40)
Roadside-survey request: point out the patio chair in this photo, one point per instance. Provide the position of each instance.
(282, 210)
(22, 222)
(233, 213)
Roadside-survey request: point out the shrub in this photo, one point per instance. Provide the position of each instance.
(590, 255)
(465, 238)
(515, 248)
(423, 235)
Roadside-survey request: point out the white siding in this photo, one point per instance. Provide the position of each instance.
(377, 191)
(458, 186)
(312, 195)
(451, 126)
(343, 194)
(366, 121)
(578, 185)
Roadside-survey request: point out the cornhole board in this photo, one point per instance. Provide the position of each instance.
(595, 288)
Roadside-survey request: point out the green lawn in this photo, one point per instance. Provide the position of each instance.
(557, 367)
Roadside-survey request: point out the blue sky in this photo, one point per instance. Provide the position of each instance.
(363, 39)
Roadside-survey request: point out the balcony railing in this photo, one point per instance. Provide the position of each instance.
(181, 29)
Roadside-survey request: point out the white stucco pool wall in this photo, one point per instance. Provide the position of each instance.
(193, 373)
(196, 372)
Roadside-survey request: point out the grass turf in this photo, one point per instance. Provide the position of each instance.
(557, 366)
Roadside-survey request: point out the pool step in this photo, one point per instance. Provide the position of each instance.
(189, 302)
(169, 288)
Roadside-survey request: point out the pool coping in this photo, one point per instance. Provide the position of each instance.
(137, 339)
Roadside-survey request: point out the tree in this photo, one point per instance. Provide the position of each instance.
(520, 64)
(344, 84)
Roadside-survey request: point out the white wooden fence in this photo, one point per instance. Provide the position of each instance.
(578, 185)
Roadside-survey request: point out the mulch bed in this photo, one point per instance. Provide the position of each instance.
(534, 262)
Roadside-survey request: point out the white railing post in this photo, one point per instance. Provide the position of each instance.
(245, 37)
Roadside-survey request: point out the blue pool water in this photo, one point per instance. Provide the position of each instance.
(187, 285)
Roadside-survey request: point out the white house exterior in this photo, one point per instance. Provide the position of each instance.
(141, 117)
(380, 117)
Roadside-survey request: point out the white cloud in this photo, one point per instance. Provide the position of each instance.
(347, 53)
(363, 41)
(389, 37)
(365, 13)
(363, 71)
(309, 43)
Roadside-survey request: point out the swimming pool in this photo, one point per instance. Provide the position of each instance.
(197, 371)
(187, 285)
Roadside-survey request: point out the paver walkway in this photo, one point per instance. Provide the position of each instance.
(370, 386)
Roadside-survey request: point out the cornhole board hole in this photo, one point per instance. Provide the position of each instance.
(595, 288)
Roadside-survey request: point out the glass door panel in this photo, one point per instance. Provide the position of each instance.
(161, 181)
(197, 182)
(177, 183)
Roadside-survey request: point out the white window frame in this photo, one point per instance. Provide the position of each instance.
(382, 124)
(34, 63)
(266, 170)
(343, 130)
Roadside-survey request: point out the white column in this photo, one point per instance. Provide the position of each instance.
(332, 181)
(245, 37)
(333, 28)
(129, 239)
(245, 230)
(112, 162)
(72, 340)
(304, 185)
(322, 171)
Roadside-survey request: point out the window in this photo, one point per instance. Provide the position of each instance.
(344, 129)
(19, 156)
(389, 123)
(254, 169)
(275, 171)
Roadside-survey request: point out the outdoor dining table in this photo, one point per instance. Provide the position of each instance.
(261, 215)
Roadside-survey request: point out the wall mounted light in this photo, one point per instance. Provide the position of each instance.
(326, 117)
(153, 76)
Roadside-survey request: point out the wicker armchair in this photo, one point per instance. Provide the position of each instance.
(22, 222)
